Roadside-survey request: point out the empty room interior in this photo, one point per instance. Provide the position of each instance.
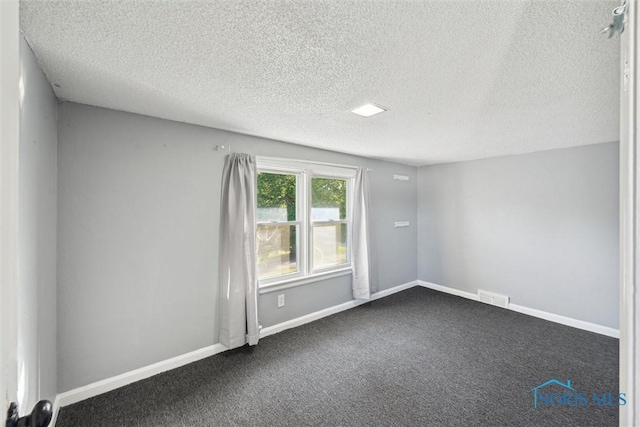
(319, 213)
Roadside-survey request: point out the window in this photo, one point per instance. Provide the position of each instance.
(329, 221)
(302, 219)
(278, 224)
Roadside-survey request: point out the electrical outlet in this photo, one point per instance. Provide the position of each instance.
(281, 300)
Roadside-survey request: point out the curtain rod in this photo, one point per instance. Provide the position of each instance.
(227, 148)
(337, 165)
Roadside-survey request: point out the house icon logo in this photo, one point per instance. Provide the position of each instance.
(564, 395)
(536, 389)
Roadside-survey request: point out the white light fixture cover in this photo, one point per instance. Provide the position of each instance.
(368, 110)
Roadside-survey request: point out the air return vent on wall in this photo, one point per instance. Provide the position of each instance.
(493, 299)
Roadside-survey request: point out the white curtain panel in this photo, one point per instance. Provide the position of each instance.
(364, 282)
(238, 280)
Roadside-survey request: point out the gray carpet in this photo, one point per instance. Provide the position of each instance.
(415, 358)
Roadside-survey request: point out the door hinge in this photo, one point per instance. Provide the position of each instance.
(619, 21)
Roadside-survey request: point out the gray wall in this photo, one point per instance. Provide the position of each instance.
(37, 232)
(541, 228)
(138, 239)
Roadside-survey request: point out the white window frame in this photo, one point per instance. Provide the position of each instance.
(305, 172)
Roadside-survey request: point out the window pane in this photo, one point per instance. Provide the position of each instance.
(276, 250)
(328, 199)
(329, 245)
(276, 197)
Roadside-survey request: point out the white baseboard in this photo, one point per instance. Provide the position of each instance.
(298, 321)
(447, 290)
(56, 409)
(563, 320)
(568, 321)
(103, 386)
(395, 289)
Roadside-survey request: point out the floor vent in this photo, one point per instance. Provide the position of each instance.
(493, 299)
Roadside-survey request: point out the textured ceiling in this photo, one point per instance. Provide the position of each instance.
(461, 79)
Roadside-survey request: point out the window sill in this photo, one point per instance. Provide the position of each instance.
(292, 283)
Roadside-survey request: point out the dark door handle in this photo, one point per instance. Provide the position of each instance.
(39, 417)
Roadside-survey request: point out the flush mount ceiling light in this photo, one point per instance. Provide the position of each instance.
(368, 110)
